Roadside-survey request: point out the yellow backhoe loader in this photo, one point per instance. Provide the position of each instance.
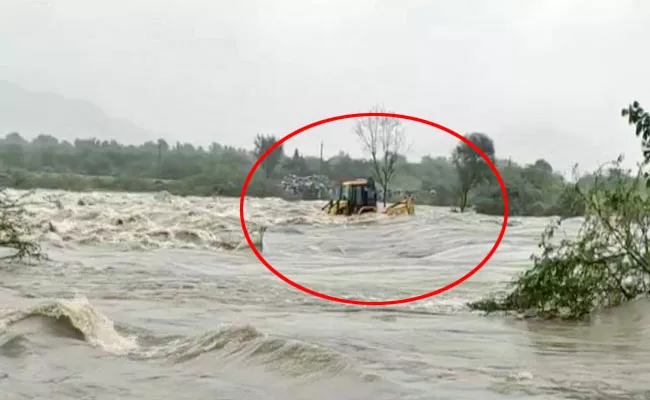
(359, 196)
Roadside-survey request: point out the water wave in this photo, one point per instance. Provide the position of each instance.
(140, 221)
(74, 319)
(77, 319)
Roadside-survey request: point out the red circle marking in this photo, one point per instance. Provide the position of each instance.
(385, 302)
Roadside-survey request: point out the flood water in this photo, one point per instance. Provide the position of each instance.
(151, 296)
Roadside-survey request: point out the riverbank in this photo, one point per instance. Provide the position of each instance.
(194, 186)
(228, 186)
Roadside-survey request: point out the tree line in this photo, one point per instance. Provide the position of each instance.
(459, 180)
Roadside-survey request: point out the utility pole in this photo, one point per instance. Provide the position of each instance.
(159, 159)
(320, 167)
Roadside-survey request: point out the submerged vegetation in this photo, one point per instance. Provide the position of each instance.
(14, 229)
(607, 263)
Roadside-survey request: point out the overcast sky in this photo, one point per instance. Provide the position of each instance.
(545, 79)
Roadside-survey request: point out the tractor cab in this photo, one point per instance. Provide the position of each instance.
(356, 196)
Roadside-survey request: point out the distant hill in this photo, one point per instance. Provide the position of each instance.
(32, 113)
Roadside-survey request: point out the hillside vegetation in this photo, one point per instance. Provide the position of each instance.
(91, 164)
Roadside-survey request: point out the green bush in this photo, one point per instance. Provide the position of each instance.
(609, 260)
(14, 228)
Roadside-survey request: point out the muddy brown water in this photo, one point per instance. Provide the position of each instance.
(162, 306)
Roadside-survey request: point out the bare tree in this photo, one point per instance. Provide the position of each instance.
(383, 139)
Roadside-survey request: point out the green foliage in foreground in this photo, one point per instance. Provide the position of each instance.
(606, 264)
(14, 229)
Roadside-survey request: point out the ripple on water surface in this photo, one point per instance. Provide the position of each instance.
(149, 296)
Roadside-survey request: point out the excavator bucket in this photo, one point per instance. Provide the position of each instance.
(404, 207)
